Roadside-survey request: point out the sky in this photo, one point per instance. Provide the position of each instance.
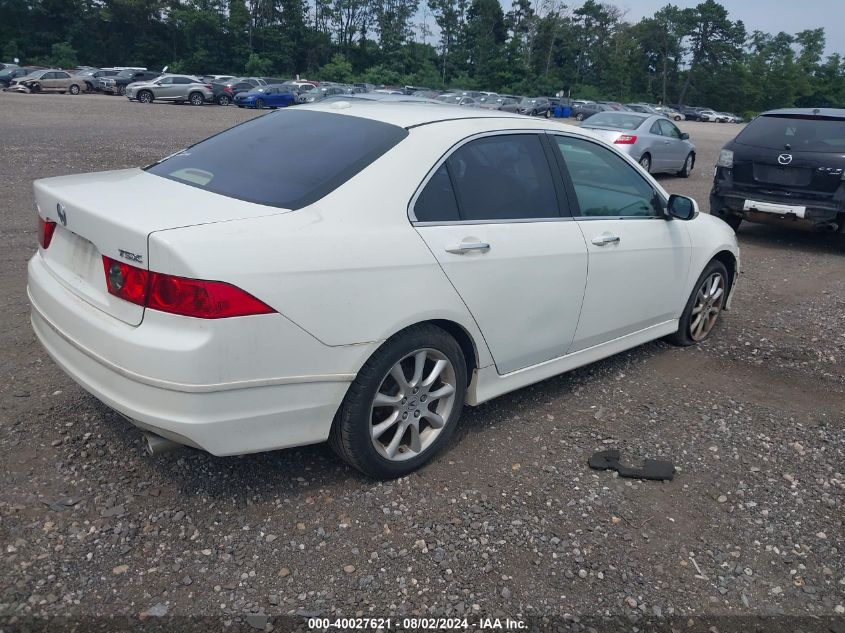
(770, 16)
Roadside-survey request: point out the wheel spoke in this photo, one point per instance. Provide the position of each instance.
(445, 390)
(381, 427)
(399, 376)
(416, 443)
(419, 366)
(435, 420)
(438, 368)
(696, 309)
(717, 293)
(383, 400)
(393, 447)
(696, 321)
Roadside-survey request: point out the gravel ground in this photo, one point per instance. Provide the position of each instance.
(509, 521)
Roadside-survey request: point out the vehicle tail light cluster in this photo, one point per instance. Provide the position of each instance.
(227, 89)
(209, 86)
(626, 139)
(45, 232)
(179, 295)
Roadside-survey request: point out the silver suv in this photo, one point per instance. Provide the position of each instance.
(178, 88)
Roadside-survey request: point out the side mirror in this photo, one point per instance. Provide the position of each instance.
(684, 136)
(681, 207)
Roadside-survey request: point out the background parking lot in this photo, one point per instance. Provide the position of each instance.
(509, 520)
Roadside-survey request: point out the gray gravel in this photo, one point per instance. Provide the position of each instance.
(509, 521)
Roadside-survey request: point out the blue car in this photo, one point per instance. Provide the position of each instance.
(266, 97)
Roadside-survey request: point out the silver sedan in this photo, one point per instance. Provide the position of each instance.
(652, 140)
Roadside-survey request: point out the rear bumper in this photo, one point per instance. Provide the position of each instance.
(728, 200)
(236, 413)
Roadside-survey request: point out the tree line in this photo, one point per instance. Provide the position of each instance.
(539, 47)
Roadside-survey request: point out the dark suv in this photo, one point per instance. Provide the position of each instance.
(117, 85)
(786, 167)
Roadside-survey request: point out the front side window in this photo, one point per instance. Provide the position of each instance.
(492, 179)
(668, 128)
(605, 184)
(166, 81)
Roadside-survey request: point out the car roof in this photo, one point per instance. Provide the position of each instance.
(409, 114)
(821, 112)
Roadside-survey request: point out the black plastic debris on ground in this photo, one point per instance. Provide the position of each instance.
(656, 469)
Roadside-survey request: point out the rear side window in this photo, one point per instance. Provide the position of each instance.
(436, 202)
(503, 177)
(281, 159)
(799, 133)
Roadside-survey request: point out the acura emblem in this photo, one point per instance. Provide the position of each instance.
(785, 159)
(60, 209)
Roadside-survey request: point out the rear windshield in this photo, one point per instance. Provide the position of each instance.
(282, 159)
(616, 120)
(799, 133)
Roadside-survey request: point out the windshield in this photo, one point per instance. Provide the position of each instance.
(800, 133)
(450, 98)
(287, 179)
(126, 74)
(615, 120)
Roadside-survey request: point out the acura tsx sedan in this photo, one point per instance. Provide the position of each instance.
(436, 257)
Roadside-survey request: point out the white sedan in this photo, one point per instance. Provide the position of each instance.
(242, 295)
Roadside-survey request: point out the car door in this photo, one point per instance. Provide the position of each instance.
(48, 82)
(676, 148)
(638, 259)
(60, 81)
(165, 89)
(494, 215)
(181, 87)
(656, 146)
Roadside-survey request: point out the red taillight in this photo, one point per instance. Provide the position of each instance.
(227, 89)
(625, 139)
(180, 295)
(45, 232)
(125, 281)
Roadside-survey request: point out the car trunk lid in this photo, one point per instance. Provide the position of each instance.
(112, 214)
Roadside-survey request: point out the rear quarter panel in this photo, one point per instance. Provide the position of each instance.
(348, 269)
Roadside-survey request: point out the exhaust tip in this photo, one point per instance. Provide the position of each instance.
(157, 445)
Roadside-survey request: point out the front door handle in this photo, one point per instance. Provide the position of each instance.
(465, 247)
(604, 240)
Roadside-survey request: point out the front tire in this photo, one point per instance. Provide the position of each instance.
(703, 307)
(689, 163)
(579, 117)
(259, 104)
(145, 96)
(548, 114)
(404, 404)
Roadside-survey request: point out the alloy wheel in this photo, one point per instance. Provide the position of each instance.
(645, 162)
(709, 301)
(412, 405)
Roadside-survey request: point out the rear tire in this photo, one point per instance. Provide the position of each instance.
(121, 90)
(196, 99)
(707, 301)
(74, 89)
(579, 117)
(223, 100)
(355, 436)
(645, 162)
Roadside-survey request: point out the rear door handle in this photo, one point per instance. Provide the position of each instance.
(465, 247)
(604, 240)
